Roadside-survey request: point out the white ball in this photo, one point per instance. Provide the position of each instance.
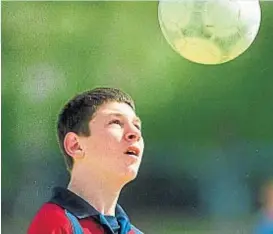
(209, 31)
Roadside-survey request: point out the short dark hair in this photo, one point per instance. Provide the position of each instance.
(77, 113)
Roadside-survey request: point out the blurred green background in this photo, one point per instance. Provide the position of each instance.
(208, 129)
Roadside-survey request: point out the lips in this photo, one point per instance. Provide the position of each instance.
(132, 150)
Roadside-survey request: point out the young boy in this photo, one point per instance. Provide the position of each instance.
(100, 136)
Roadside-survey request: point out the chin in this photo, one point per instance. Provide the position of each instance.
(129, 175)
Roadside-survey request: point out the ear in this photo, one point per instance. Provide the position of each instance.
(72, 145)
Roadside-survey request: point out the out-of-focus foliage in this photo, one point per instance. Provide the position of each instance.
(208, 129)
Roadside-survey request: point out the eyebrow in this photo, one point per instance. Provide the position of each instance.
(117, 114)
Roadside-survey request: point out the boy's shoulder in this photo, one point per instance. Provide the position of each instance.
(134, 230)
(50, 208)
(50, 217)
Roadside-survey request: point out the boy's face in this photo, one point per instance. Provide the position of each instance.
(115, 130)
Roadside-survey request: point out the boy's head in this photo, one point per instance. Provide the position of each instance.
(77, 113)
(100, 125)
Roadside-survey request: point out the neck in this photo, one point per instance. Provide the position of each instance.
(99, 191)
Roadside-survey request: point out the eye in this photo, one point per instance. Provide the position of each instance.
(116, 121)
(138, 126)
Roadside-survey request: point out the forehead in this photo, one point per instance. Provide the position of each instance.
(115, 108)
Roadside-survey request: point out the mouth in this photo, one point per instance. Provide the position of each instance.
(133, 151)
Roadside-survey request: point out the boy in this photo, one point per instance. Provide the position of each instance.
(100, 137)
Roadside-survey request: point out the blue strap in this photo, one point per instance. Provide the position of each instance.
(76, 227)
(124, 223)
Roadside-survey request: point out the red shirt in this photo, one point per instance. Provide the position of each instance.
(51, 217)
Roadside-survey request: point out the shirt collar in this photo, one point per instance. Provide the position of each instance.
(77, 205)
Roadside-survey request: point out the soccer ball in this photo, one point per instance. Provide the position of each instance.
(209, 31)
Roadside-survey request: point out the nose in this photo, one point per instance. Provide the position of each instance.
(133, 135)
